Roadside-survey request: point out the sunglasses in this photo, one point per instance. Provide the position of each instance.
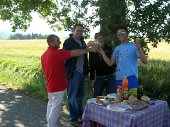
(121, 33)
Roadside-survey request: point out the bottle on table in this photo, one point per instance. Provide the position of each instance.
(125, 88)
(140, 91)
(125, 83)
(119, 93)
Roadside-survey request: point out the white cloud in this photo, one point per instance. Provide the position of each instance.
(5, 26)
(38, 25)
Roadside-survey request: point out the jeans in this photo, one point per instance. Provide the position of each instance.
(75, 95)
(104, 82)
(54, 108)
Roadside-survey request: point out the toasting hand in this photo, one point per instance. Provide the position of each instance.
(93, 47)
(137, 43)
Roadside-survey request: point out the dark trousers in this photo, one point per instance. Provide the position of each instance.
(104, 83)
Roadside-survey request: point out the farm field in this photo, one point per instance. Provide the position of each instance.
(162, 52)
(20, 68)
(36, 47)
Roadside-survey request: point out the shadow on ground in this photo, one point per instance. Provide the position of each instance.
(20, 110)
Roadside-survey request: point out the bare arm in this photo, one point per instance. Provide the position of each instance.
(79, 52)
(142, 56)
(107, 60)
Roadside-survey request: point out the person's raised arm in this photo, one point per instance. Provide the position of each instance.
(142, 56)
(107, 60)
(79, 52)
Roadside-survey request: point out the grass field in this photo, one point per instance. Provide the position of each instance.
(20, 68)
(160, 53)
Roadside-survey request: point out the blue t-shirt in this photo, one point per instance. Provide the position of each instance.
(126, 56)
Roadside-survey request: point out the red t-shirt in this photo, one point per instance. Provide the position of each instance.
(53, 65)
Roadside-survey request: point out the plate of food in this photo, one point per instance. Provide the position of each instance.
(99, 100)
(91, 100)
(102, 100)
(138, 104)
(150, 101)
(119, 107)
(111, 95)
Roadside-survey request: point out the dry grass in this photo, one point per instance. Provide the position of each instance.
(162, 52)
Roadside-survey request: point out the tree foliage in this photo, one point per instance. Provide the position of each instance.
(146, 19)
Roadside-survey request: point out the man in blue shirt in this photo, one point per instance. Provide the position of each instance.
(126, 56)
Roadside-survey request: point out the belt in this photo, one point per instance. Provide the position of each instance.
(106, 76)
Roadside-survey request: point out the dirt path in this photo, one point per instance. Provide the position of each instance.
(20, 110)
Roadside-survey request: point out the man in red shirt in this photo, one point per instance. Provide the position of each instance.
(52, 61)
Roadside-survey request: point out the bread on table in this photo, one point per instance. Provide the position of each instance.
(145, 98)
(132, 98)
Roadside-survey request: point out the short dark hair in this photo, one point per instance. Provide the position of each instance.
(98, 34)
(78, 24)
(51, 38)
(122, 27)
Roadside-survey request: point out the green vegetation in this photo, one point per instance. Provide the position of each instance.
(144, 18)
(20, 68)
(155, 75)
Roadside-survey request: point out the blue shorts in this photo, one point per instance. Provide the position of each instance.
(132, 82)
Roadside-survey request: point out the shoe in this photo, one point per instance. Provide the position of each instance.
(80, 121)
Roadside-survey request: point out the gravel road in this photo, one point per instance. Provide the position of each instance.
(20, 110)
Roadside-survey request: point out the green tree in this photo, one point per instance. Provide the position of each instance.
(28, 36)
(145, 18)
